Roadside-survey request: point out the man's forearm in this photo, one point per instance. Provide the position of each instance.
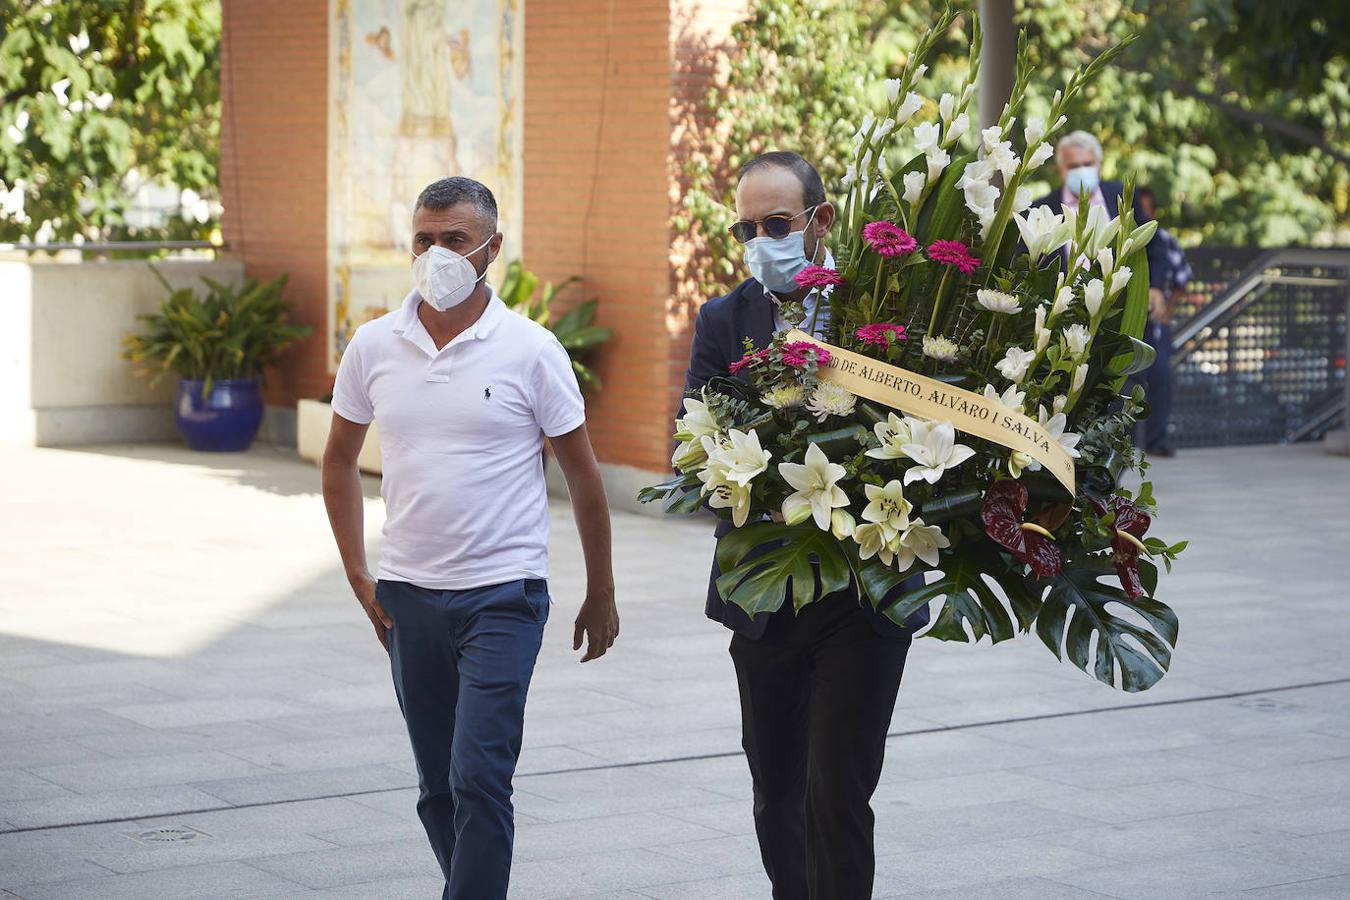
(590, 509)
(346, 514)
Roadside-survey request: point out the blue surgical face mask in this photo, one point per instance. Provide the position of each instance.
(1082, 180)
(775, 262)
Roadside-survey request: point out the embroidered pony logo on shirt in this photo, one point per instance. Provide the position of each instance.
(487, 393)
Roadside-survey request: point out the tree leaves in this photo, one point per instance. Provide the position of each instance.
(1127, 654)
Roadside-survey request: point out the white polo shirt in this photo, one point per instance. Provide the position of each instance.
(461, 435)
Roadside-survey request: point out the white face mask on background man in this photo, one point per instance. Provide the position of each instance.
(1083, 180)
(444, 278)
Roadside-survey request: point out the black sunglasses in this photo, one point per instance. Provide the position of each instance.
(775, 226)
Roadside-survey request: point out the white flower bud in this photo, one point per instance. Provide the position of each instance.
(1092, 296)
(914, 182)
(892, 90)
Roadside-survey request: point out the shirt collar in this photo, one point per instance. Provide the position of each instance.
(409, 326)
(1070, 200)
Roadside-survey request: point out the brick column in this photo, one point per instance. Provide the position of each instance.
(274, 166)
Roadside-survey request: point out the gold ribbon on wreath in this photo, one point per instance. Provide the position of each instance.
(927, 398)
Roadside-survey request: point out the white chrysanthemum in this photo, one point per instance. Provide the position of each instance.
(831, 400)
(997, 301)
(785, 396)
(940, 348)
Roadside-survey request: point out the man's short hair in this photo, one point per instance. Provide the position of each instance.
(451, 191)
(813, 189)
(1082, 139)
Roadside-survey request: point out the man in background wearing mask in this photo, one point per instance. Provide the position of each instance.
(464, 391)
(817, 688)
(1079, 157)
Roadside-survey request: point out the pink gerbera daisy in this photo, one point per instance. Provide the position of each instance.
(888, 240)
(818, 277)
(880, 334)
(795, 354)
(745, 361)
(953, 253)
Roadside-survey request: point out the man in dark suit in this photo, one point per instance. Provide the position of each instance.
(1079, 157)
(817, 688)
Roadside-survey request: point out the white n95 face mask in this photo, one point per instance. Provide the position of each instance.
(775, 262)
(444, 278)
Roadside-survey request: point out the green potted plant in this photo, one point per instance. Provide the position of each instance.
(218, 344)
(573, 330)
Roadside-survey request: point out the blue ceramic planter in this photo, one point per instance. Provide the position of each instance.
(226, 419)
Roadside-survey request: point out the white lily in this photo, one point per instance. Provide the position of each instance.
(940, 348)
(732, 465)
(913, 103)
(816, 492)
(997, 301)
(888, 507)
(1015, 363)
(1054, 425)
(914, 183)
(689, 455)
(872, 541)
(831, 400)
(1077, 339)
(696, 422)
(1120, 279)
(1093, 292)
(933, 447)
(1011, 399)
(893, 434)
(922, 542)
(842, 524)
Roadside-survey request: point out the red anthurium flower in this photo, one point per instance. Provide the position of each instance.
(1131, 524)
(1004, 505)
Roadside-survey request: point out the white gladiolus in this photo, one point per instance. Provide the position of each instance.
(892, 90)
(1093, 292)
(937, 161)
(850, 175)
(1040, 155)
(1022, 199)
(1063, 300)
(927, 137)
(1101, 229)
(1059, 123)
(913, 103)
(956, 130)
(990, 136)
(920, 72)
(883, 129)
(1004, 159)
(946, 106)
(816, 492)
(968, 93)
(1079, 378)
(934, 449)
(1042, 333)
(1034, 130)
(997, 301)
(1058, 403)
(1015, 364)
(1107, 260)
(914, 182)
(1120, 279)
(1077, 338)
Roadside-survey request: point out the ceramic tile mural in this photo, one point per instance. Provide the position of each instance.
(418, 90)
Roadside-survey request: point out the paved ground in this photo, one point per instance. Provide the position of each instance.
(178, 653)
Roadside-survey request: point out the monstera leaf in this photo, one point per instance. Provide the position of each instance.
(1141, 654)
(970, 599)
(758, 581)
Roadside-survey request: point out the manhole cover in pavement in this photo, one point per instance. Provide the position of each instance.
(1265, 703)
(174, 835)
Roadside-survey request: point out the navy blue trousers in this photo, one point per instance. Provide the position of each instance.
(462, 662)
(1158, 380)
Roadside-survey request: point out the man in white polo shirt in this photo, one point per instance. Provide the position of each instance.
(464, 391)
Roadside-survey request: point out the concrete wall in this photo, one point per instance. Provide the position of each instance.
(62, 378)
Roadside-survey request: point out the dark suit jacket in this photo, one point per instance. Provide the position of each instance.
(1112, 191)
(719, 333)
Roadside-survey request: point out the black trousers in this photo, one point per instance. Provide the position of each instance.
(817, 693)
